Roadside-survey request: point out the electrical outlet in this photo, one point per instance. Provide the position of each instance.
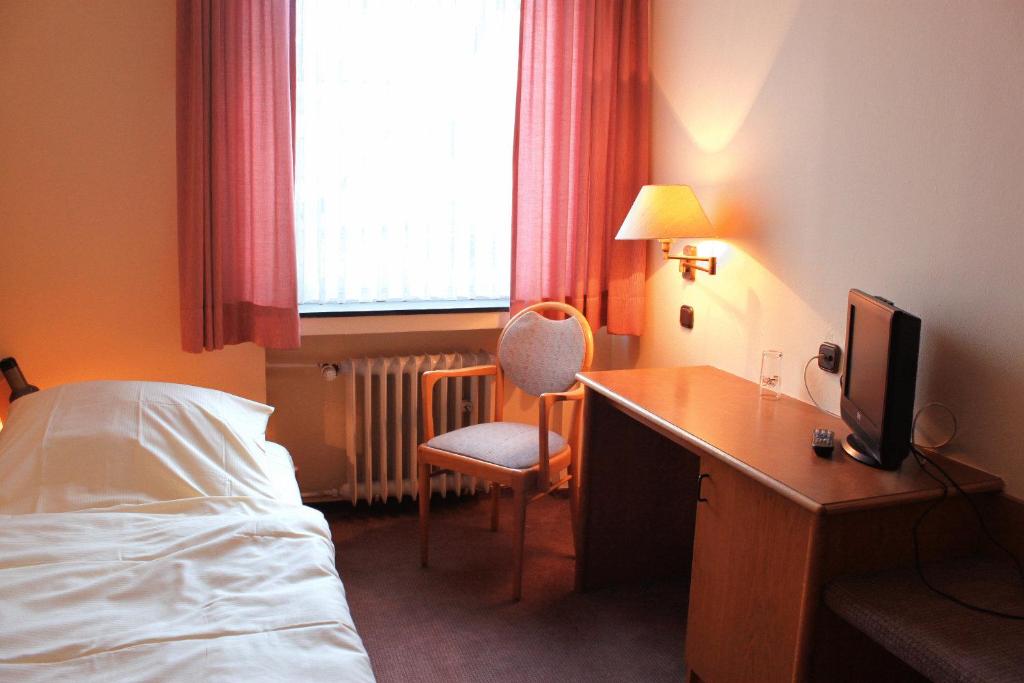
(828, 357)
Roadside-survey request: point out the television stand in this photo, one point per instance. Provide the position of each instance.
(856, 449)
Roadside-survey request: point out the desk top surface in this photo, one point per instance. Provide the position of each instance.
(710, 411)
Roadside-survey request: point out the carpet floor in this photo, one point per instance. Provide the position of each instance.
(455, 621)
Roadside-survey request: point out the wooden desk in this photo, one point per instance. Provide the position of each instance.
(776, 521)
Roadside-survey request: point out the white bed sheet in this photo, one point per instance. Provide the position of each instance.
(149, 532)
(200, 589)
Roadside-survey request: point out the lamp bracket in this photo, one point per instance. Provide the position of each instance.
(689, 262)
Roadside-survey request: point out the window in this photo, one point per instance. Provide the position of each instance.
(404, 133)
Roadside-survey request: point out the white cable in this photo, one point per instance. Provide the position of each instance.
(808, 389)
(949, 439)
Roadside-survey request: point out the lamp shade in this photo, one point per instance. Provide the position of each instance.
(665, 212)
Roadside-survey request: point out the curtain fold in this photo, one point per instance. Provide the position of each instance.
(235, 117)
(581, 154)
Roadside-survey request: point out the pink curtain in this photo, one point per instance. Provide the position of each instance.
(581, 155)
(236, 233)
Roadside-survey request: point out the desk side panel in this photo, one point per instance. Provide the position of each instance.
(638, 500)
(1006, 520)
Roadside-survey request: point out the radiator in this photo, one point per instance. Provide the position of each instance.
(383, 420)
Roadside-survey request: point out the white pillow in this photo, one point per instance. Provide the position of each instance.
(280, 468)
(98, 444)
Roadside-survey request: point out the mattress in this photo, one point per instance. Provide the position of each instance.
(106, 576)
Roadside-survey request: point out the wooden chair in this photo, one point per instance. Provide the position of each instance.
(541, 356)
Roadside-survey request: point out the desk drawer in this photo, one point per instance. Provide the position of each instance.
(750, 568)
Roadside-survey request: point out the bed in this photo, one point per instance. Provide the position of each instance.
(149, 532)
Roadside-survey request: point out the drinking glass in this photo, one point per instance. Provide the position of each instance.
(771, 374)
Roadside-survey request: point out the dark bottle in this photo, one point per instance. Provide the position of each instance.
(15, 380)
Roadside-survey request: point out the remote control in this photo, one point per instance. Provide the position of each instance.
(823, 442)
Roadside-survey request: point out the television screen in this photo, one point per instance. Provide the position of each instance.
(879, 380)
(867, 361)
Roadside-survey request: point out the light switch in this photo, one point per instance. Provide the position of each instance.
(686, 316)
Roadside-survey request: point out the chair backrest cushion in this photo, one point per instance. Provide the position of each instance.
(541, 355)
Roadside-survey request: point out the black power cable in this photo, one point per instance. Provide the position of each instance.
(922, 460)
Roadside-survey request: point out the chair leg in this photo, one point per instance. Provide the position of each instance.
(495, 500)
(518, 532)
(424, 496)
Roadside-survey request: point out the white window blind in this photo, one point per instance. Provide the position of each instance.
(404, 127)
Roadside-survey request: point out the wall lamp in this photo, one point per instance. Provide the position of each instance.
(665, 213)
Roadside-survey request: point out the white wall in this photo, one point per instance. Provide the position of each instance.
(837, 144)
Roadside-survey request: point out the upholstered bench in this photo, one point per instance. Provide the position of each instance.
(940, 639)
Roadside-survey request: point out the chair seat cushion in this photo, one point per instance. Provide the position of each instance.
(942, 640)
(509, 444)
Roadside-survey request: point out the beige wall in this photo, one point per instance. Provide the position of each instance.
(88, 245)
(875, 145)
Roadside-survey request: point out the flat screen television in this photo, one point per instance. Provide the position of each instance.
(879, 381)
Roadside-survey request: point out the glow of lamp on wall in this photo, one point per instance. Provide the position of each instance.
(665, 213)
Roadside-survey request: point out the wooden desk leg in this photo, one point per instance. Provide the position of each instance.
(638, 500)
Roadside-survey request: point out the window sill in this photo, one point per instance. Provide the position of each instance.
(392, 322)
(404, 307)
